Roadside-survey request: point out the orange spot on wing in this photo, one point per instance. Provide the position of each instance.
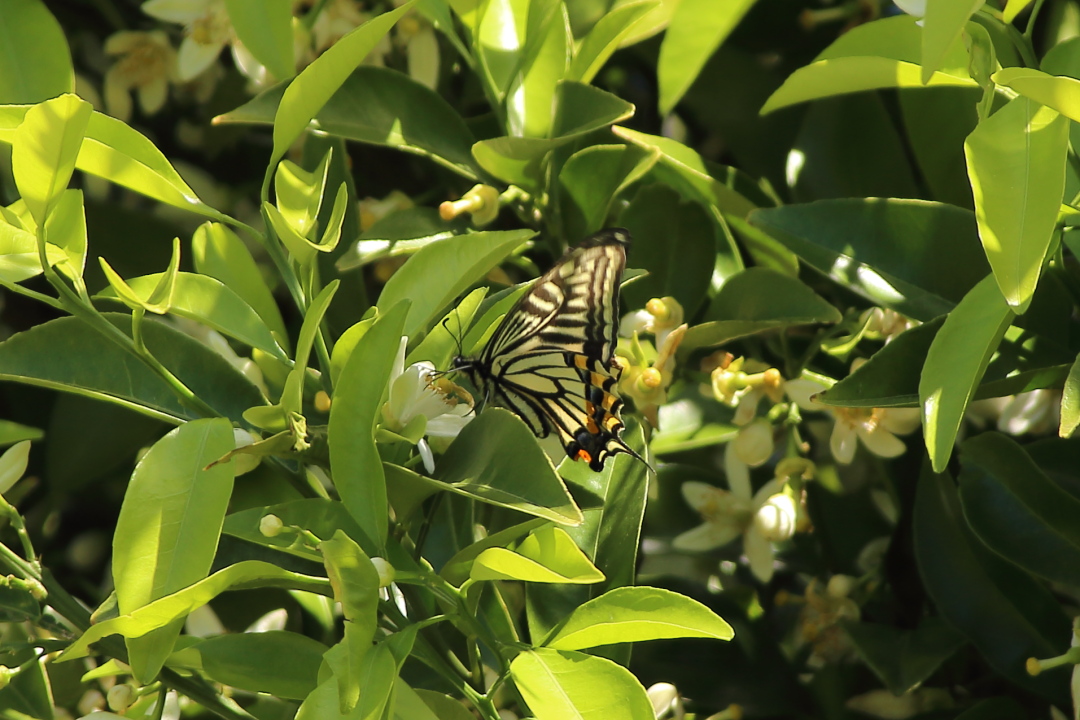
(584, 455)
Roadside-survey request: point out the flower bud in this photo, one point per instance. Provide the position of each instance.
(121, 697)
(775, 520)
(271, 526)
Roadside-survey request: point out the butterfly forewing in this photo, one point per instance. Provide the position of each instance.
(549, 361)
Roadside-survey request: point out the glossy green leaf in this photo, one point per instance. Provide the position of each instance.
(955, 364)
(298, 194)
(36, 64)
(890, 378)
(211, 302)
(168, 528)
(247, 574)
(44, 149)
(28, 691)
(1060, 93)
(412, 704)
(284, 664)
(1017, 511)
(547, 554)
(609, 534)
(757, 300)
(697, 29)
(66, 228)
(1006, 614)
(916, 257)
(882, 54)
(634, 614)
(901, 658)
(675, 242)
(292, 396)
(604, 38)
(544, 60)
(218, 253)
(319, 516)
(13, 432)
(942, 26)
(561, 684)
(67, 354)
(445, 338)
(19, 258)
(265, 28)
(13, 464)
(354, 459)
(579, 110)
(382, 107)
(593, 178)
(456, 570)
(1070, 401)
(312, 88)
(437, 274)
(495, 459)
(691, 168)
(1016, 163)
(114, 151)
(355, 582)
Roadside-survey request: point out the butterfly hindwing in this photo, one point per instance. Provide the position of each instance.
(549, 361)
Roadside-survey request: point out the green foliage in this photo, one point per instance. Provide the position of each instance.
(848, 223)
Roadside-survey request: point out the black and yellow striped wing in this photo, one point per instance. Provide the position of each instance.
(549, 361)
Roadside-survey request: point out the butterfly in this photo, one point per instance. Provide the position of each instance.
(550, 359)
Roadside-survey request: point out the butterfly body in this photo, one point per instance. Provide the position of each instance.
(550, 359)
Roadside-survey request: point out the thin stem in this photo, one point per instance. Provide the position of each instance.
(20, 530)
(1030, 29)
(40, 297)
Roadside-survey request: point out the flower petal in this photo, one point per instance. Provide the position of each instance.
(759, 552)
(195, 57)
(882, 443)
(426, 456)
(842, 443)
(706, 536)
(738, 474)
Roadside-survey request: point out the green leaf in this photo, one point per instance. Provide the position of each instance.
(675, 242)
(298, 194)
(1070, 401)
(903, 659)
(1006, 614)
(292, 396)
(457, 568)
(691, 169)
(319, 516)
(543, 63)
(220, 254)
(1017, 511)
(211, 302)
(444, 339)
(561, 684)
(36, 64)
(13, 432)
(1060, 93)
(609, 535)
(955, 364)
(66, 228)
(44, 149)
(67, 354)
(312, 88)
(13, 464)
(757, 300)
(284, 664)
(937, 121)
(355, 582)
(882, 54)
(156, 296)
(168, 528)
(354, 458)
(265, 28)
(1016, 163)
(916, 257)
(244, 575)
(547, 554)
(593, 178)
(382, 107)
(633, 614)
(116, 152)
(579, 110)
(604, 38)
(997, 708)
(441, 271)
(697, 29)
(19, 258)
(890, 378)
(942, 26)
(495, 459)
(29, 692)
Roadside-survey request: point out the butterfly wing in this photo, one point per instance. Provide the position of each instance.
(549, 361)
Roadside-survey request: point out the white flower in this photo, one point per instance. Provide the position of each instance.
(207, 30)
(1035, 412)
(145, 63)
(418, 391)
(876, 427)
(759, 517)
